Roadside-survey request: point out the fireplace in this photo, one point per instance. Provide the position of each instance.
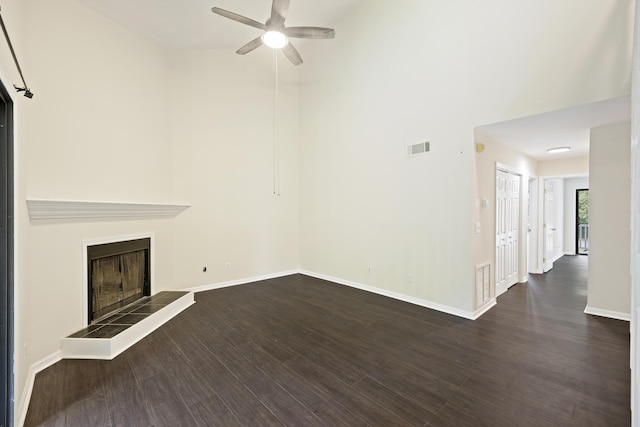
(118, 274)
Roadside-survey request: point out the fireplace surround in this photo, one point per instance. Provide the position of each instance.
(118, 273)
(109, 335)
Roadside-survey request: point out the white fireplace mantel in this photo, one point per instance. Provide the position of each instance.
(81, 210)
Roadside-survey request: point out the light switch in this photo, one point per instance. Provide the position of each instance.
(477, 228)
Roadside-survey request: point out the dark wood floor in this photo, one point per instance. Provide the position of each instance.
(300, 351)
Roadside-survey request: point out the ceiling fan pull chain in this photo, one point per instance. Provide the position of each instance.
(276, 145)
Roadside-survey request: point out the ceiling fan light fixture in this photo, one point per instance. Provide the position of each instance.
(275, 39)
(557, 150)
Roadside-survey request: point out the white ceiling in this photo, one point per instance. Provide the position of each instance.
(569, 127)
(191, 24)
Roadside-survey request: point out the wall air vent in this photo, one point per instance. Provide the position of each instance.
(417, 149)
(484, 292)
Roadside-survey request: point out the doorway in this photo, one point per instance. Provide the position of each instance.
(549, 227)
(582, 222)
(6, 257)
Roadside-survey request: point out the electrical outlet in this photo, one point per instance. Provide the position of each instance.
(369, 270)
(409, 278)
(227, 266)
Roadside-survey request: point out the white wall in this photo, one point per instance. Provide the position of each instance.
(223, 149)
(570, 187)
(609, 206)
(570, 167)
(109, 116)
(495, 152)
(442, 68)
(98, 129)
(118, 118)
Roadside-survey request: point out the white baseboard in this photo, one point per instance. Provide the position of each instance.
(244, 281)
(39, 366)
(395, 295)
(488, 306)
(57, 356)
(401, 297)
(500, 289)
(607, 313)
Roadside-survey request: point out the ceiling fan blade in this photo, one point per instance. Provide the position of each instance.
(279, 12)
(309, 32)
(252, 45)
(238, 18)
(291, 53)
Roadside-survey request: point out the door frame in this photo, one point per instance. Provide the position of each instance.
(6, 257)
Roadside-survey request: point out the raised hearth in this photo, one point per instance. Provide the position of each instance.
(110, 336)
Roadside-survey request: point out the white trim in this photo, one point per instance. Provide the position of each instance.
(25, 399)
(239, 282)
(108, 348)
(501, 289)
(607, 313)
(509, 169)
(85, 273)
(51, 209)
(400, 297)
(57, 356)
(41, 365)
(485, 308)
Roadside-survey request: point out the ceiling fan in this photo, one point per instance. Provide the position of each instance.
(276, 35)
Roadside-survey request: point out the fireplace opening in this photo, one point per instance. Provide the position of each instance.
(118, 275)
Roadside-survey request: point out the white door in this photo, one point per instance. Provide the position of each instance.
(501, 231)
(507, 229)
(549, 227)
(532, 231)
(513, 228)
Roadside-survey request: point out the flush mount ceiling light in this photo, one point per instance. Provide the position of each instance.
(558, 150)
(275, 39)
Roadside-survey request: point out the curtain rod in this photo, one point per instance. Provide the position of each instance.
(25, 89)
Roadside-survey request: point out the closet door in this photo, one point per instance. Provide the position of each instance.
(507, 229)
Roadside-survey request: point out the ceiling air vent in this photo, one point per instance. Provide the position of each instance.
(417, 149)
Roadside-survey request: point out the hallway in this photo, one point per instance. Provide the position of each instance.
(556, 356)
